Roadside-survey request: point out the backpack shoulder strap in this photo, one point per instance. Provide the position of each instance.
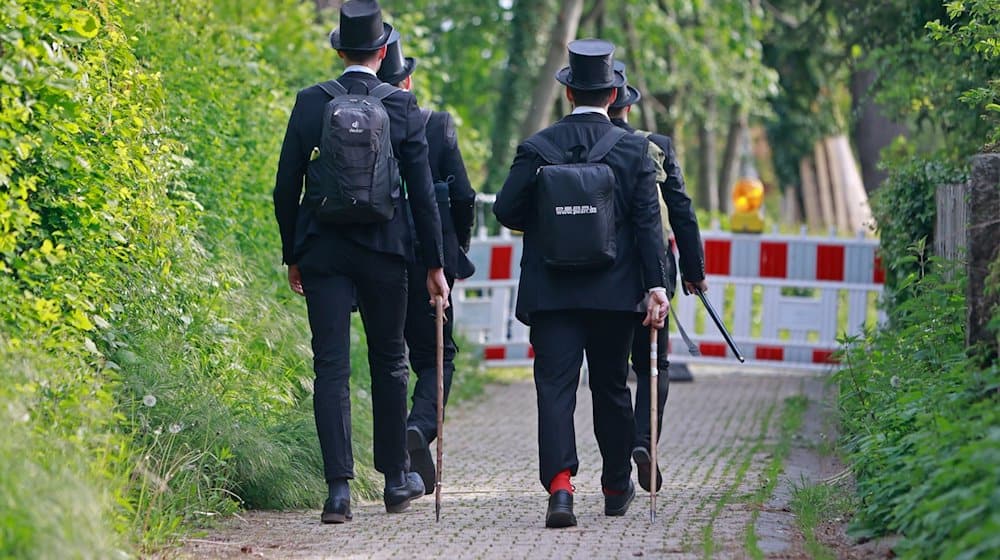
(605, 144)
(547, 149)
(382, 91)
(427, 113)
(333, 88)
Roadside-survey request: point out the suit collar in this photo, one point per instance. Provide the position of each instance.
(361, 69)
(586, 118)
(622, 124)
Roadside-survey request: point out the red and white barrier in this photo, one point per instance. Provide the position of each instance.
(785, 298)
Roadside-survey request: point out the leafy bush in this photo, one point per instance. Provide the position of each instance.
(922, 427)
(905, 211)
(154, 365)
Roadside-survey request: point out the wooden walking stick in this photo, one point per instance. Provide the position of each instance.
(439, 324)
(654, 373)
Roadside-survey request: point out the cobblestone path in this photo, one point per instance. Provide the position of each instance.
(718, 432)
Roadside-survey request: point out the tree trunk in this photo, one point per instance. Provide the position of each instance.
(328, 4)
(636, 73)
(546, 88)
(708, 185)
(525, 27)
(872, 131)
(731, 155)
(591, 18)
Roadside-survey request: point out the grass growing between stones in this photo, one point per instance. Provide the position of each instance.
(790, 421)
(753, 447)
(814, 505)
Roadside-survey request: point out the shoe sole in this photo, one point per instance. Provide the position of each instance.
(398, 508)
(421, 461)
(643, 462)
(335, 518)
(560, 520)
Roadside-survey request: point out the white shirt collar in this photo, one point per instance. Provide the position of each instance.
(360, 68)
(581, 109)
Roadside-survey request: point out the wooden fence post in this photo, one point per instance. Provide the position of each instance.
(949, 230)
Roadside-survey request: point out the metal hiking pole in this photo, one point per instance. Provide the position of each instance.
(654, 373)
(722, 327)
(439, 324)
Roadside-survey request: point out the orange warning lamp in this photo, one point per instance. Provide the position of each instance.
(748, 196)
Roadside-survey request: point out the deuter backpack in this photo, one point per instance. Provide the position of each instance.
(355, 177)
(576, 205)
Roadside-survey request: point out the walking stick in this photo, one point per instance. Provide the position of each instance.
(722, 327)
(439, 324)
(654, 373)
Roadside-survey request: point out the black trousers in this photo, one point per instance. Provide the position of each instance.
(421, 340)
(331, 271)
(560, 339)
(640, 365)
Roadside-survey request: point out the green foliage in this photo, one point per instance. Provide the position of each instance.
(920, 427)
(929, 71)
(905, 210)
(975, 29)
(154, 364)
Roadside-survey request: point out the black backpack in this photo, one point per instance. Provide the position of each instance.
(355, 177)
(576, 204)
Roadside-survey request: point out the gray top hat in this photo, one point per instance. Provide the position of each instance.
(590, 66)
(361, 27)
(627, 95)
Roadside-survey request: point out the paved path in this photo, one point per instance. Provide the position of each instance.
(717, 432)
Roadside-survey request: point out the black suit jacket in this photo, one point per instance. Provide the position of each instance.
(679, 210)
(409, 143)
(446, 163)
(639, 263)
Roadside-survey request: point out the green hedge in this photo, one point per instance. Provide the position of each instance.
(154, 365)
(921, 426)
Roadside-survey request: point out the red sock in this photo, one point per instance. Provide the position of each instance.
(610, 492)
(560, 482)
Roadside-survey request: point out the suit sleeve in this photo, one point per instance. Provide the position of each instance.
(416, 173)
(461, 196)
(681, 215)
(514, 206)
(648, 228)
(288, 183)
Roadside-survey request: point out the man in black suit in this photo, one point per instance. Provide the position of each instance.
(572, 312)
(326, 263)
(456, 204)
(685, 227)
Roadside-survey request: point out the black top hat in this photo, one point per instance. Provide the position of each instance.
(361, 27)
(590, 66)
(627, 95)
(395, 68)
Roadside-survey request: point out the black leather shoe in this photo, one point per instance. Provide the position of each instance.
(618, 505)
(420, 458)
(560, 512)
(397, 498)
(336, 510)
(643, 465)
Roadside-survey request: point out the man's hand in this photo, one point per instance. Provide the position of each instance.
(695, 287)
(437, 285)
(657, 307)
(295, 279)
